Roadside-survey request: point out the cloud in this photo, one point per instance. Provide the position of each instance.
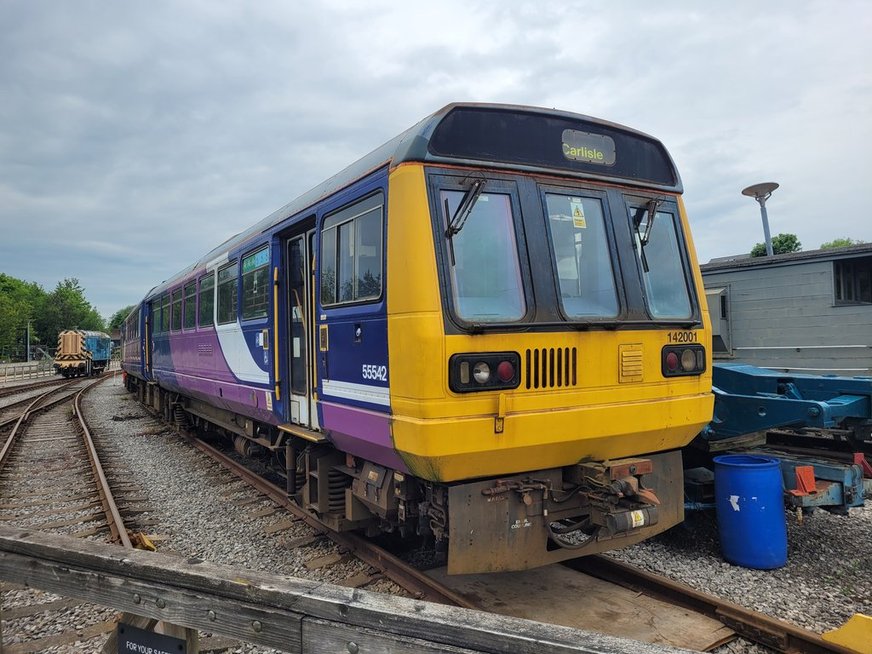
(136, 137)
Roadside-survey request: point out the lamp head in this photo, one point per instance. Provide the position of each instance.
(762, 190)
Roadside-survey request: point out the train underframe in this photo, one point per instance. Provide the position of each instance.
(514, 522)
(80, 368)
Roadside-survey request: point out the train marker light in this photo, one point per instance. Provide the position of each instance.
(688, 360)
(505, 371)
(676, 360)
(481, 372)
(464, 372)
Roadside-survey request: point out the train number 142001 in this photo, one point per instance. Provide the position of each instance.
(375, 372)
(682, 337)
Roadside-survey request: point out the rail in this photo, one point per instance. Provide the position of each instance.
(287, 613)
(39, 403)
(110, 508)
(762, 629)
(401, 573)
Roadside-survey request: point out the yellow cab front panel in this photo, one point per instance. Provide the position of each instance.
(595, 392)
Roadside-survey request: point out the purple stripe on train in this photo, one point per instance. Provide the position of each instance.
(197, 367)
(363, 433)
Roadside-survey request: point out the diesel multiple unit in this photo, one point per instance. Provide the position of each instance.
(490, 331)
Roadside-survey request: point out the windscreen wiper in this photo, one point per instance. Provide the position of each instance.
(458, 220)
(651, 208)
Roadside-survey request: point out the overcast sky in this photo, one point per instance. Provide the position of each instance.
(134, 137)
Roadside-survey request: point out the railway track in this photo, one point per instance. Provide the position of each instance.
(758, 627)
(19, 396)
(388, 565)
(246, 489)
(14, 389)
(51, 478)
(752, 625)
(33, 402)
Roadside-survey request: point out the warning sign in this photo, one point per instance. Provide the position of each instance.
(577, 209)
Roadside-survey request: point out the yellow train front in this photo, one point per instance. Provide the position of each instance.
(549, 361)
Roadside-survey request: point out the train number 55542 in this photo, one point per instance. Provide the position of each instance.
(375, 372)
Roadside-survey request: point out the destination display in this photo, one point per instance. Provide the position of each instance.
(593, 148)
(552, 142)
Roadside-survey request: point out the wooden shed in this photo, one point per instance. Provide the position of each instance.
(805, 312)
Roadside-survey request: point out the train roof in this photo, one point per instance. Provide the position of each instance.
(85, 332)
(471, 133)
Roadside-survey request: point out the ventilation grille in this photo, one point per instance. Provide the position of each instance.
(551, 367)
(631, 363)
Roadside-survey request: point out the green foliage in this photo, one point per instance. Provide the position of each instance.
(781, 244)
(19, 302)
(118, 317)
(64, 308)
(841, 243)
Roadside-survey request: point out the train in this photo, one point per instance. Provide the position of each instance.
(82, 353)
(490, 333)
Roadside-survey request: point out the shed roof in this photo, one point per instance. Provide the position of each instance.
(742, 261)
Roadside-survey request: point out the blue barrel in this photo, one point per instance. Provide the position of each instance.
(749, 502)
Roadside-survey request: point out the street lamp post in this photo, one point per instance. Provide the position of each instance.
(761, 193)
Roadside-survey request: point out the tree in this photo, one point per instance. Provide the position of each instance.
(781, 244)
(19, 302)
(841, 243)
(118, 317)
(66, 308)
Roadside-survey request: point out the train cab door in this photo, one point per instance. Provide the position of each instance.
(301, 329)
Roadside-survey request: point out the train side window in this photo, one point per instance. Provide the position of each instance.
(177, 310)
(154, 311)
(207, 300)
(164, 313)
(190, 319)
(255, 284)
(328, 267)
(228, 278)
(351, 253)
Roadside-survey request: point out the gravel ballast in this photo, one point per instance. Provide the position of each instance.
(826, 580)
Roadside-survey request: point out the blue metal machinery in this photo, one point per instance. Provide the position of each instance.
(750, 399)
(827, 469)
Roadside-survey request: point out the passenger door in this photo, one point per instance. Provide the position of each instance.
(301, 330)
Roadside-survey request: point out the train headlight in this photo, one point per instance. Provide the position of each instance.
(479, 371)
(688, 360)
(677, 360)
